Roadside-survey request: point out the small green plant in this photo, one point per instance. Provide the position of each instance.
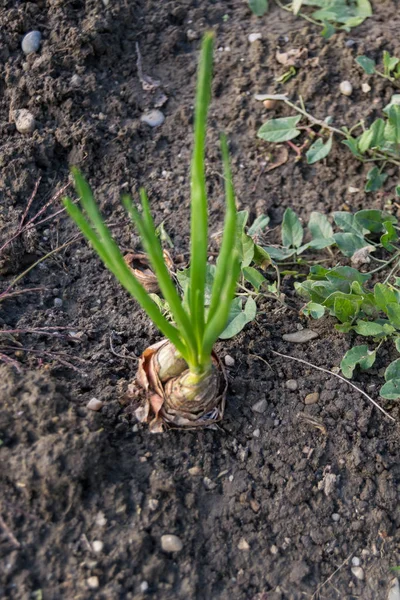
(379, 143)
(391, 66)
(181, 376)
(330, 14)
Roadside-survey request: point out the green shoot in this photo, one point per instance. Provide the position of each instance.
(194, 331)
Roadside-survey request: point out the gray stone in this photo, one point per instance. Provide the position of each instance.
(154, 118)
(291, 385)
(229, 360)
(24, 121)
(58, 302)
(95, 404)
(97, 546)
(335, 517)
(300, 337)
(394, 592)
(31, 42)
(311, 398)
(93, 582)
(171, 543)
(358, 572)
(260, 406)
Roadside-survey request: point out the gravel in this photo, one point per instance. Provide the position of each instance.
(154, 118)
(31, 42)
(24, 121)
(171, 543)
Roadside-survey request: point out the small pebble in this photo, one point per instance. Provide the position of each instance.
(58, 302)
(358, 572)
(270, 104)
(209, 484)
(31, 42)
(153, 504)
(243, 545)
(97, 546)
(355, 561)
(94, 404)
(24, 121)
(255, 506)
(229, 360)
(192, 35)
(273, 550)
(101, 521)
(350, 43)
(253, 37)
(194, 471)
(171, 543)
(93, 582)
(311, 398)
(256, 433)
(394, 591)
(353, 190)
(76, 80)
(144, 586)
(154, 118)
(300, 337)
(260, 406)
(366, 88)
(335, 517)
(291, 385)
(346, 88)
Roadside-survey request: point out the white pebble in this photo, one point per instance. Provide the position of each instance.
(273, 550)
(154, 118)
(394, 591)
(366, 88)
(31, 42)
(24, 121)
(58, 302)
(171, 543)
(335, 517)
(260, 406)
(153, 504)
(93, 582)
(256, 433)
(229, 360)
(243, 545)
(144, 586)
(94, 404)
(291, 385)
(253, 37)
(355, 561)
(346, 88)
(97, 546)
(358, 572)
(76, 80)
(192, 35)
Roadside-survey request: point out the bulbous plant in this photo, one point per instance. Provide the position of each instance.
(180, 380)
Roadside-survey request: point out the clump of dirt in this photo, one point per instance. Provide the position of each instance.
(284, 495)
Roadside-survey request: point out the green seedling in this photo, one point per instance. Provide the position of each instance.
(378, 144)
(391, 66)
(331, 15)
(196, 388)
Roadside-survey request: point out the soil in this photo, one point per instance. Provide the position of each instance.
(257, 517)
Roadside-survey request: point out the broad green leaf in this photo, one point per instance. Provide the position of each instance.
(364, 8)
(348, 243)
(358, 355)
(346, 309)
(318, 150)
(378, 129)
(393, 313)
(254, 277)
(258, 7)
(370, 219)
(328, 31)
(369, 328)
(238, 317)
(261, 257)
(383, 296)
(391, 235)
(279, 130)
(352, 143)
(364, 142)
(392, 128)
(292, 231)
(367, 64)
(397, 344)
(395, 99)
(375, 179)
(314, 310)
(258, 225)
(320, 227)
(389, 62)
(391, 390)
(247, 253)
(347, 223)
(278, 254)
(397, 190)
(393, 370)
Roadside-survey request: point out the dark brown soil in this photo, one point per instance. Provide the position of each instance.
(69, 476)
